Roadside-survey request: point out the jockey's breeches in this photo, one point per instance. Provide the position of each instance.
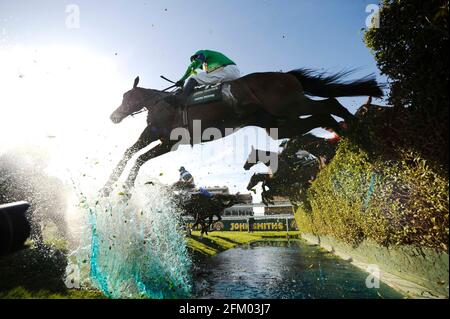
(225, 74)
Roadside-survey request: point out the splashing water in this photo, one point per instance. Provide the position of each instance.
(132, 248)
(124, 248)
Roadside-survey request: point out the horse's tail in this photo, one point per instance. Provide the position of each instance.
(322, 85)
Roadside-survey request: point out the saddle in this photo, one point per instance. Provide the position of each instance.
(208, 94)
(205, 94)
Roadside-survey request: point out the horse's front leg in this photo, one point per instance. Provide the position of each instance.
(204, 229)
(144, 139)
(196, 221)
(158, 150)
(265, 196)
(211, 220)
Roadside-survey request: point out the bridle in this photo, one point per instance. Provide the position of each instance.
(144, 109)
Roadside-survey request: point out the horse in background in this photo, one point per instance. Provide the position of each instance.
(291, 171)
(297, 166)
(203, 208)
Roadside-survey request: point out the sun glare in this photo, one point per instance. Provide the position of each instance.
(59, 99)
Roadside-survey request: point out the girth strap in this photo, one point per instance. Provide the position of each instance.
(182, 110)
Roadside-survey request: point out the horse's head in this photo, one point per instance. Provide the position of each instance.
(254, 180)
(133, 101)
(251, 159)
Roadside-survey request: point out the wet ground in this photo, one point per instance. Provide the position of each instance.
(283, 270)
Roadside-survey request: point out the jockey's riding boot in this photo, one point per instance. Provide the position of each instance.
(181, 98)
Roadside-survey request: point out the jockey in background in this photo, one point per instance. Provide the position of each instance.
(186, 178)
(186, 182)
(218, 69)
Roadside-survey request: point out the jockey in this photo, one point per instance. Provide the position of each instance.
(218, 69)
(186, 177)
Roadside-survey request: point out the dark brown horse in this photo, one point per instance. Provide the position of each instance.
(268, 100)
(294, 166)
(294, 171)
(203, 208)
(323, 148)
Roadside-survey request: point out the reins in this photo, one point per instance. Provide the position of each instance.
(159, 100)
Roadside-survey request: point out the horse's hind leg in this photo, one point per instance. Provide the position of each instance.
(338, 109)
(299, 127)
(328, 122)
(302, 105)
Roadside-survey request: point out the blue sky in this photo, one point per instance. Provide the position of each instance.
(157, 37)
(154, 37)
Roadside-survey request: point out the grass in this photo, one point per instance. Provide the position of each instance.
(38, 274)
(24, 293)
(219, 241)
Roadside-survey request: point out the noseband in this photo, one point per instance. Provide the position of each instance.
(144, 109)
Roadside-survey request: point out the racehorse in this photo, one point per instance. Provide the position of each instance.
(267, 100)
(294, 166)
(323, 148)
(298, 178)
(204, 208)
